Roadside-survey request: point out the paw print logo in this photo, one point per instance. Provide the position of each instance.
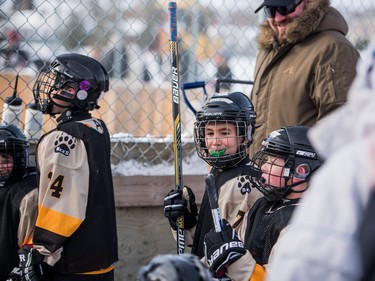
(244, 184)
(64, 143)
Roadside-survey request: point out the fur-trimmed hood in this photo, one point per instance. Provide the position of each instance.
(320, 16)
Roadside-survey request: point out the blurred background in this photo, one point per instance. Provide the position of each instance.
(217, 39)
(131, 39)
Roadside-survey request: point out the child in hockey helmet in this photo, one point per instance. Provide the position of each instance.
(222, 132)
(18, 197)
(74, 160)
(224, 129)
(13, 153)
(286, 160)
(71, 81)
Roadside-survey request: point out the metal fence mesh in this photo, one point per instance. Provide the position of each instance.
(131, 39)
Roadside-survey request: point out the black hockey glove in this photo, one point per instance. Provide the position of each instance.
(222, 248)
(31, 266)
(15, 275)
(181, 203)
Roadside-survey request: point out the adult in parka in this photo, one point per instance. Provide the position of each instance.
(304, 67)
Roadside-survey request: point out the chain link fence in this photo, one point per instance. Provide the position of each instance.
(131, 39)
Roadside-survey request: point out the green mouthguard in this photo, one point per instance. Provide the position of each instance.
(217, 153)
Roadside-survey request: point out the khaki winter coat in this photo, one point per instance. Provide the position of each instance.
(301, 80)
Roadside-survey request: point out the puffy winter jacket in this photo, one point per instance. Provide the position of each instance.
(307, 76)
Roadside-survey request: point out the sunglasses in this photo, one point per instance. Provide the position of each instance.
(270, 11)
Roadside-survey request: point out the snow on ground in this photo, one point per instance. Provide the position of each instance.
(191, 165)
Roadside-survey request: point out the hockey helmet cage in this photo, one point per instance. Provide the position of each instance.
(86, 75)
(300, 159)
(230, 107)
(13, 142)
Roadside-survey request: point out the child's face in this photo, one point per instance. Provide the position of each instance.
(221, 136)
(6, 165)
(68, 93)
(272, 171)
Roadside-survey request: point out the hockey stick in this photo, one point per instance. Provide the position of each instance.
(201, 84)
(193, 85)
(212, 198)
(177, 146)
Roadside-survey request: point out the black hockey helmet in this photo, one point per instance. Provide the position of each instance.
(86, 75)
(185, 267)
(300, 160)
(230, 107)
(13, 142)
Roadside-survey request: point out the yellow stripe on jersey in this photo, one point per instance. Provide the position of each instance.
(28, 240)
(259, 273)
(57, 222)
(102, 271)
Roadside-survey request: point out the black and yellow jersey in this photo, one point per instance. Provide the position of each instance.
(76, 224)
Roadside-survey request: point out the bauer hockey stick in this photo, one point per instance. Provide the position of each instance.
(212, 198)
(177, 146)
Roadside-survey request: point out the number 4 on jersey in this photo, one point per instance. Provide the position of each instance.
(56, 185)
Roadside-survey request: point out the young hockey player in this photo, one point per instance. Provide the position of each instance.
(18, 197)
(223, 132)
(75, 233)
(286, 160)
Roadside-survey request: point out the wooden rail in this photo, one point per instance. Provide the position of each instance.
(139, 191)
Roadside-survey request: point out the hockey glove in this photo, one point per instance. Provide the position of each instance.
(181, 203)
(15, 275)
(222, 248)
(31, 266)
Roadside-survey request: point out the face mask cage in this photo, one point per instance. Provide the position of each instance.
(13, 153)
(218, 158)
(44, 85)
(276, 171)
(48, 81)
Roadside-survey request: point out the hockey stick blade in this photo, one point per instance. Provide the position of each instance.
(193, 85)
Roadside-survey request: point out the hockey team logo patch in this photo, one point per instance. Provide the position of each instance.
(64, 143)
(244, 184)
